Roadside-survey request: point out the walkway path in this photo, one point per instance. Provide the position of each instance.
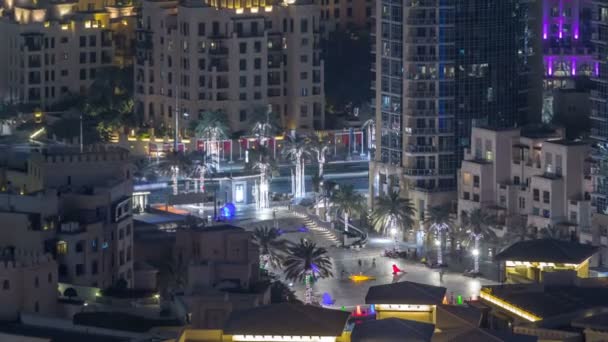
(348, 293)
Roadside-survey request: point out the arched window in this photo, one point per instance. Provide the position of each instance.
(6, 285)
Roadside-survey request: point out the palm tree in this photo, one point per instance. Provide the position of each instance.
(517, 230)
(261, 159)
(305, 261)
(347, 201)
(204, 164)
(369, 126)
(551, 232)
(319, 146)
(439, 221)
(270, 246)
(296, 149)
(174, 164)
(264, 123)
(212, 127)
(327, 192)
(480, 225)
(393, 212)
(317, 182)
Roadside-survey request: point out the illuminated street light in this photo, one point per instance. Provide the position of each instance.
(475, 252)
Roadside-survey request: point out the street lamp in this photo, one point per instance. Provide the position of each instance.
(437, 243)
(475, 252)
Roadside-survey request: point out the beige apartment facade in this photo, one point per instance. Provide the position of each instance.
(230, 57)
(533, 175)
(28, 283)
(76, 206)
(56, 49)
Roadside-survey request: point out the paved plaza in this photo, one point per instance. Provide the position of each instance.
(346, 262)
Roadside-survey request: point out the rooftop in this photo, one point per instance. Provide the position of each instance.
(595, 322)
(566, 142)
(392, 329)
(405, 292)
(287, 319)
(54, 335)
(547, 250)
(550, 301)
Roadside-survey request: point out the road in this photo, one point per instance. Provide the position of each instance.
(355, 173)
(346, 292)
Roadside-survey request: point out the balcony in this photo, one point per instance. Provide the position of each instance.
(419, 172)
(219, 51)
(428, 131)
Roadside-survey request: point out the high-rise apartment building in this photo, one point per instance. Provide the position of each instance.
(54, 49)
(599, 95)
(438, 66)
(345, 14)
(567, 52)
(232, 57)
(599, 104)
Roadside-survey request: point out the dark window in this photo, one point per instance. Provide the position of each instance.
(6, 285)
(476, 181)
(201, 29)
(536, 195)
(257, 80)
(257, 63)
(546, 197)
(243, 64)
(243, 115)
(243, 47)
(79, 269)
(303, 26)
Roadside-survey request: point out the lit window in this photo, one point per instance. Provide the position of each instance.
(62, 248)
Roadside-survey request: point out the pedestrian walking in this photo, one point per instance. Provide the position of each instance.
(374, 262)
(360, 263)
(441, 275)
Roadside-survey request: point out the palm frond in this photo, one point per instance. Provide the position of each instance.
(306, 257)
(392, 210)
(269, 243)
(347, 200)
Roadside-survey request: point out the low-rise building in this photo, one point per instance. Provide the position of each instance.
(560, 311)
(28, 283)
(75, 205)
(407, 300)
(529, 173)
(531, 261)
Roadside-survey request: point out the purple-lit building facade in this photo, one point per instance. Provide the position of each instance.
(567, 49)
